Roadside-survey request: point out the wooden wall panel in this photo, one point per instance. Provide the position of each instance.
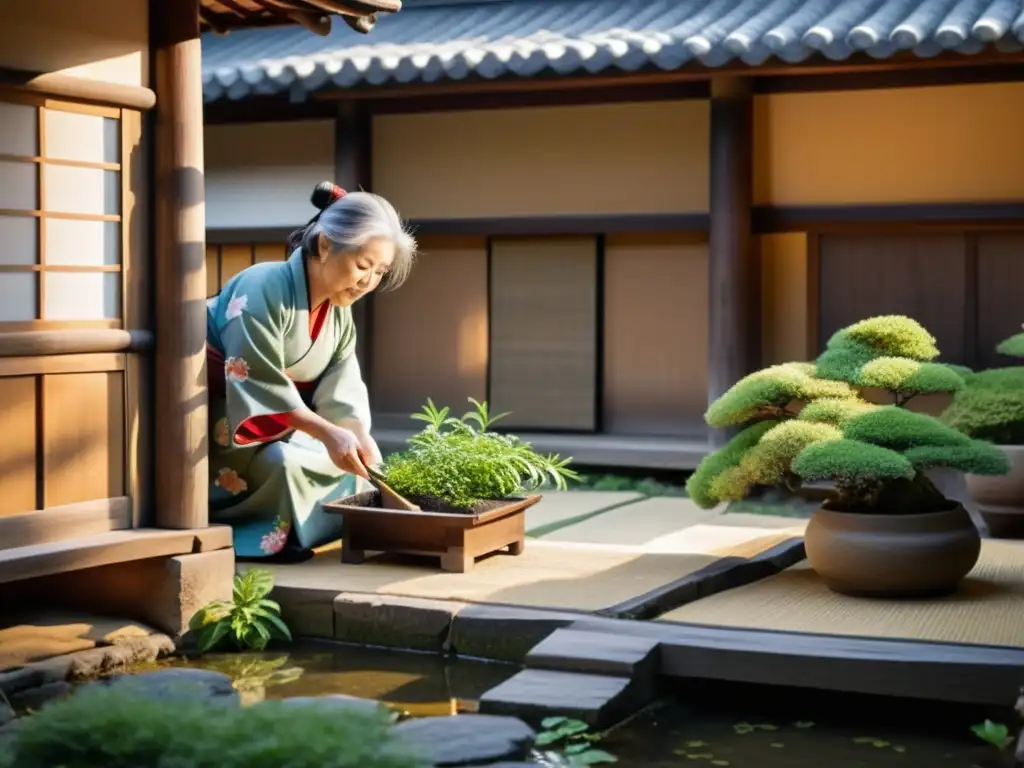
(212, 270)
(270, 252)
(921, 276)
(649, 157)
(233, 259)
(907, 145)
(430, 336)
(785, 305)
(18, 446)
(655, 335)
(1000, 294)
(543, 364)
(83, 437)
(262, 174)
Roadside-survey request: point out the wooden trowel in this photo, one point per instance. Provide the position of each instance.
(389, 498)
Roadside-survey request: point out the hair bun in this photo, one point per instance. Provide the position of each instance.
(325, 193)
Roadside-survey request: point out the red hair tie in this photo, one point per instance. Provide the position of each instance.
(325, 193)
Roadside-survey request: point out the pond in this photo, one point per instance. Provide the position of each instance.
(699, 724)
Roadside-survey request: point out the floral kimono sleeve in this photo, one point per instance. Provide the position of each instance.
(341, 394)
(257, 389)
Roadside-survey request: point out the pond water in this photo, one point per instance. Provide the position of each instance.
(718, 725)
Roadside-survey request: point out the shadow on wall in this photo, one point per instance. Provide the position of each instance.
(104, 41)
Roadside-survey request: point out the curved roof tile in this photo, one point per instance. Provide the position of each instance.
(525, 38)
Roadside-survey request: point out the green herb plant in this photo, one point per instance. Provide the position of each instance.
(572, 741)
(458, 462)
(249, 620)
(991, 404)
(806, 422)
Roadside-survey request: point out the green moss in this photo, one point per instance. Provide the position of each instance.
(769, 461)
(960, 370)
(835, 410)
(976, 457)
(767, 391)
(1012, 347)
(851, 463)
(990, 407)
(698, 486)
(900, 429)
(895, 336)
(105, 727)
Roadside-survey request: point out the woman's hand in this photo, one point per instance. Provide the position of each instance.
(346, 451)
(368, 449)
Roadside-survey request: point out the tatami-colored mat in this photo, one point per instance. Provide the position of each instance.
(636, 523)
(987, 610)
(561, 508)
(547, 575)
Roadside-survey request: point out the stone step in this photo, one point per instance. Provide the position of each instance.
(599, 700)
(598, 653)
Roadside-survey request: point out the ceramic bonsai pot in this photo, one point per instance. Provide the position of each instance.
(456, 537)
(1000, 499)
(892, 556)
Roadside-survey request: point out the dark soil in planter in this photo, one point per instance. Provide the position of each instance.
(371, 500)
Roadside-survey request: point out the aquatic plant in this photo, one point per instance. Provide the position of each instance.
(102, 726)
(249, 620)
(569, 742)
(460, 461)
(808, 422)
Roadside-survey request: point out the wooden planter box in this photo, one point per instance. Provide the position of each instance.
(458, 538)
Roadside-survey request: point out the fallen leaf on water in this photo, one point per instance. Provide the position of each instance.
(803, 724)
(880, 743)
(720, 762)
(697, 743)
(899, 749)
(777, 745)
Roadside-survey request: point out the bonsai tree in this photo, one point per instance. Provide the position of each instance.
(991, 404)
(804, 422)
(455, 463)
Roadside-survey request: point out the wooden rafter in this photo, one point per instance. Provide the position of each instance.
(221, 16)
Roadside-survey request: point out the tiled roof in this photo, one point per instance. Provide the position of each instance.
(436, 41)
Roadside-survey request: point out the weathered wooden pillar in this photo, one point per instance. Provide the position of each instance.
(353, 145)
(180, 269)
(734, 269)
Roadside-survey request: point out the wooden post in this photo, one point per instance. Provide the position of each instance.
(353, 172)
(180, 243)
(734, 269)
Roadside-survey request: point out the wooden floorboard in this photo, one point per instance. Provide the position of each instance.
(107, 548)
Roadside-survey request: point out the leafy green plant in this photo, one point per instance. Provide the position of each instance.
(458, 462)
(102, 726)
(249, 620)
(808, 422)
(991, 405)
(572, 740)
(996, 734)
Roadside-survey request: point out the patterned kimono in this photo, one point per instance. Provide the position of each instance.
(268, 354)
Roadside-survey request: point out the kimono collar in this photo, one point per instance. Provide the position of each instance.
(297, 268)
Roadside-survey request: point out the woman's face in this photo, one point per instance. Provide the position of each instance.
(347, 277)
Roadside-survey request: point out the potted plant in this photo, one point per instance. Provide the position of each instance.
(991, 407)
(471, 485)
(885, 529)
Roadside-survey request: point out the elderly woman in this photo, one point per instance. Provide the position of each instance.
(289, 412)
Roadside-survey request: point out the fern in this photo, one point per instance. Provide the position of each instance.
(460, 461)
(249, 620)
